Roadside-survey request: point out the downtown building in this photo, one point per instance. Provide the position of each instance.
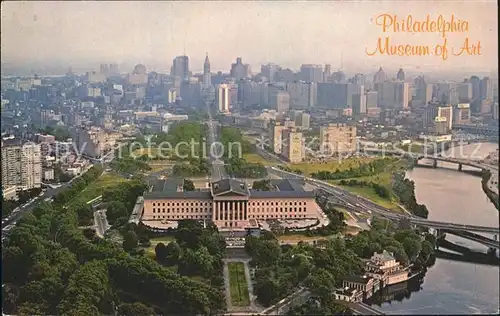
(21, 164)
(229, 203)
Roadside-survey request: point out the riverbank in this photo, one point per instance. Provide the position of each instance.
(486, 185)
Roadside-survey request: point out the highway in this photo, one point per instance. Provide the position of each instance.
(368, 206)
(49, 193)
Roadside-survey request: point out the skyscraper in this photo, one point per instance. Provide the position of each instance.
(207, 76)
(239, 70)
(379, 76)
(486, 89)
(21, 164)
(180, 67)
(223, 98)
(401, 75)
(311, 73)
(280, 101)
(327, 73)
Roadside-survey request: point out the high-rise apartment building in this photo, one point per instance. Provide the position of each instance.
(275, 134)
(292, 145)
(337, 138)
(21, 164)
(302, 120)
(223, 98)
(433, 110)
(311, 73)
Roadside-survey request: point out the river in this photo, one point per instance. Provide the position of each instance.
(451, 287)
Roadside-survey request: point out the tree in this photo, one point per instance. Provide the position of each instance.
(262, 185)
(412, 247)
(85, 214)
(135, 309)
(188, 185)
(115, 210)
(130, 241)
(320, 282)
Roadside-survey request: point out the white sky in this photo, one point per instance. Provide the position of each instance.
(287, 33)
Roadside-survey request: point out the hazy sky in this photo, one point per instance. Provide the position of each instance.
(287, 33)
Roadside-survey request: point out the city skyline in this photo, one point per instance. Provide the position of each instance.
(81, 34)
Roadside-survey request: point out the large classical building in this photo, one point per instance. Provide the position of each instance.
(229, 203)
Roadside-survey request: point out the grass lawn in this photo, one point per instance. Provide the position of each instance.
(255, 158)
(152, 152)
(308, 168)
(105, 181)
(370, 194)
(155, 241)
(238, 286)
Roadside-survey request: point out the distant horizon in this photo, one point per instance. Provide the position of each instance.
(85, 34)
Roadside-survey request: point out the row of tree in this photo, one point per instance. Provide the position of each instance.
(363, 170)
(405, 190)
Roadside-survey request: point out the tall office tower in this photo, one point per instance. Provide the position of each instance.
(434, 110)
(275, 134)
(207, 76)
(327, 73)
(393, 95)
(180, 67)
(464, 92)
(446, 113)
(430, 113)
(269, 71)
(371, 100)
(338, 77)
(486, 89)
(249, 93)
(104, 69)
(113, 70)
(21, 164)
(337, 95)
(379, 76)
(461, 114)
(494, 111)
(138, 76)
(400, 75)
(311, 73)
(476, 94)
(286, 75)
(239, 70)
(359, 79)
(401, 95)
(424, 92)
(302, 94)
(280, 101)
(359, 103)
(291, 147)
(223, 98)
(337, 138)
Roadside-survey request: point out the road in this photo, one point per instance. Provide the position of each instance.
(368, 206)
(214, 149)
(101, 222)
(49, 193)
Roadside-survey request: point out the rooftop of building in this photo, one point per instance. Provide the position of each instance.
(384, 256)
(172, 188)
(363, 279)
